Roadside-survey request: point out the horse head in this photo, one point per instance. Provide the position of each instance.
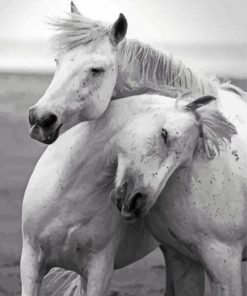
(152, 146)
(85, 75)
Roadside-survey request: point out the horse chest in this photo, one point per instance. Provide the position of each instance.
(69, 244)
(71, 223)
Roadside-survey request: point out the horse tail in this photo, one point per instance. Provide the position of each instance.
(60, 282)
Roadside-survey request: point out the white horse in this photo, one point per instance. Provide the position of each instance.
(69, 220)
(185, 171)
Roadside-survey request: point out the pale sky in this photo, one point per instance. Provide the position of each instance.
(159, 20)
(185, 22)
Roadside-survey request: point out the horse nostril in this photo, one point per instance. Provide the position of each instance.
(47, 120)
(32, 117)
(133, 200)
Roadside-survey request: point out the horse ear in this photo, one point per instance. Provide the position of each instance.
(202, 101)
(74, 9)
(119, 29)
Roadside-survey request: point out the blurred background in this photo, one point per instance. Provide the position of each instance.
(209, 36)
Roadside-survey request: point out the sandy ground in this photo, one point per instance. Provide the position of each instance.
(18, 155)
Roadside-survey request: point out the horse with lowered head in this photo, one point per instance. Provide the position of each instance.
(184, 172)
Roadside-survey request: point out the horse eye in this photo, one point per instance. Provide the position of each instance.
(97, 71)
(164, 135)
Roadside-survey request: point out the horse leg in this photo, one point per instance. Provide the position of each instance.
(32, 269)
(183, 276)
(99, 272)
(223, 266)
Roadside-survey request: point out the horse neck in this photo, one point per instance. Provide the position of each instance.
(143, 69)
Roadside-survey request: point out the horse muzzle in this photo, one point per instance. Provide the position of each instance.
(44, 136)
(131, 206)
(45, 128)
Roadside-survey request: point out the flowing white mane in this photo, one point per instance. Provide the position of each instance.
(161, 72)
(139, 63)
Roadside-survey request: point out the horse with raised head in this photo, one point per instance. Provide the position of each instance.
(95, 63)
(185, 172)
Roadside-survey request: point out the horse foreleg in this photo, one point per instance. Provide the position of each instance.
(183, 276)
(99, 272)
(32, 270)
(223, 266)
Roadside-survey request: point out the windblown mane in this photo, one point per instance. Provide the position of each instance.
(161, 72)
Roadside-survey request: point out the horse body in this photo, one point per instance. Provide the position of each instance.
(52, 237)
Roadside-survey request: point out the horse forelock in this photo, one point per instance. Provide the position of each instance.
(76, 30)
(161, 72)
